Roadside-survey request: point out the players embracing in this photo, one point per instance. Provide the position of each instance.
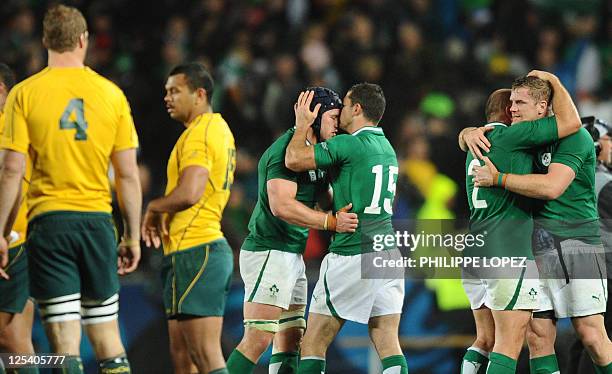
(271, 262)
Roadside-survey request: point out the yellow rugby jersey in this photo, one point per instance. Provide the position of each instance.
(70, 121)
(207, 142)
(20, 226)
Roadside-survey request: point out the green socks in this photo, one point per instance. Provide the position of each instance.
(20, 371)
(116, 365)
(473, 360)
(312, 365)
(283, 363)
(395, 364)
(603, 369)
(501, 364)
(544, 365)
(237, 363)
(73, 365)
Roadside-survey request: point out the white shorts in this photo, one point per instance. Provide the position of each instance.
(563, 288)
(341, 292)
(273, 277)
(520, 293)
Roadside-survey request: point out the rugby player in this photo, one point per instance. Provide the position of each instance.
(16, 310)
(363, 169)
(73, 123)
(198, 262)
(502, 300)
(567, 225)
(271, 262)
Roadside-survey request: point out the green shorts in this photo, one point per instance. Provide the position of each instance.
(197, 280)
(15, 291)
(73, 253)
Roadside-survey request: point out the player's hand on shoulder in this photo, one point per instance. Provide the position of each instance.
(477, 142)
(345, 220)
(304, 117)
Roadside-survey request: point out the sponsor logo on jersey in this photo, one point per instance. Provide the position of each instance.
(546, 159)
(313, 175)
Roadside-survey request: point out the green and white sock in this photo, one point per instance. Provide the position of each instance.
(283, 363)
(474, 359)
(394, 365)
(312, 365)
(237, 363)
(501, 364)
(603, 369)
(544, 365)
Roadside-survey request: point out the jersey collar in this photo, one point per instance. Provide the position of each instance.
(493, 124)
(374, 129)
(199, 117)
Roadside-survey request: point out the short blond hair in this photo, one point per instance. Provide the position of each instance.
(539, 89)
(62, 27)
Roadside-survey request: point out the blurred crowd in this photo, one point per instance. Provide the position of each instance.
(437, 61)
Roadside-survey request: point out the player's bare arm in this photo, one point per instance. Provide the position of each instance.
(188, 191)
(10, 185)
(547, 186)
(283, 204)
(129, 196)
(568, 119)
(13, 214)
(566, 114)
(299, 156)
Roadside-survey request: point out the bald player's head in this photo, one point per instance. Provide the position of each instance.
(498, 105)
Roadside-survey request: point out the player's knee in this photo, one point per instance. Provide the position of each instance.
(291, 326)
(485, 342)
(591, 337)
(257, 340)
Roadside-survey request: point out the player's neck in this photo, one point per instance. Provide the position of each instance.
(196, 113)
(65, 60)
(358, 125)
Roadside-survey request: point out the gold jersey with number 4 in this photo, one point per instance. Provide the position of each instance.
(207, 142)
(20, 226)
(70, 121)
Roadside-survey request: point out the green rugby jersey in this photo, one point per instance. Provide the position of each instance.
(574, 214)
(362, 168)
(503, 217)
(267, 231)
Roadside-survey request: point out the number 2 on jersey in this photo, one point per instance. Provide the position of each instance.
(478, 204)
(77, 122)
(374, 207)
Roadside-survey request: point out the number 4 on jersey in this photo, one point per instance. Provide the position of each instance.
(68, 121)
